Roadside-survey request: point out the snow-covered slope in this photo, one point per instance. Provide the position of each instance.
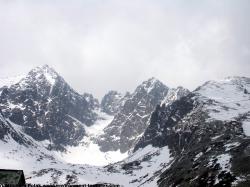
(141, 169)
(226, 99)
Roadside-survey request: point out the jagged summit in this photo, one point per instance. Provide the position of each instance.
(149, 85)
(151, 80)
(175, 94)
(45, 69)
(43, 73)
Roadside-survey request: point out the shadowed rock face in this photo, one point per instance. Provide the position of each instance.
(93, 103)
(163, 122)
(205, 153)
(47, 107)
(132, 118)
(113, 101)
(7, 130)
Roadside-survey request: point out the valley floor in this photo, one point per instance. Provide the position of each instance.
(88, 152)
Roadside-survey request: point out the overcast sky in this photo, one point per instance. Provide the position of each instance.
(98, 45)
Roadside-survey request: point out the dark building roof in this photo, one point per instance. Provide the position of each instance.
(12, 177)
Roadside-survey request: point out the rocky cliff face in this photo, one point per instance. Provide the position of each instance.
(175, 94)
(11, 131)
(113, 101)
(131, 120)
(207, 134)
(93, 103)
(47, 108)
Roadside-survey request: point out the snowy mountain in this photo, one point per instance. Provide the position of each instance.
(206, 133)
(47, 108)
(156, 136)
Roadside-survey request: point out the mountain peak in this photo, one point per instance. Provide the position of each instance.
(152, 80)
(150, 84)
(46, 71)
(44, 66)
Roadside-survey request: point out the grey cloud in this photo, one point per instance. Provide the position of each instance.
(100, 45)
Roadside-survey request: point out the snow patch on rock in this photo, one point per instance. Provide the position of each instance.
(246, 127)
